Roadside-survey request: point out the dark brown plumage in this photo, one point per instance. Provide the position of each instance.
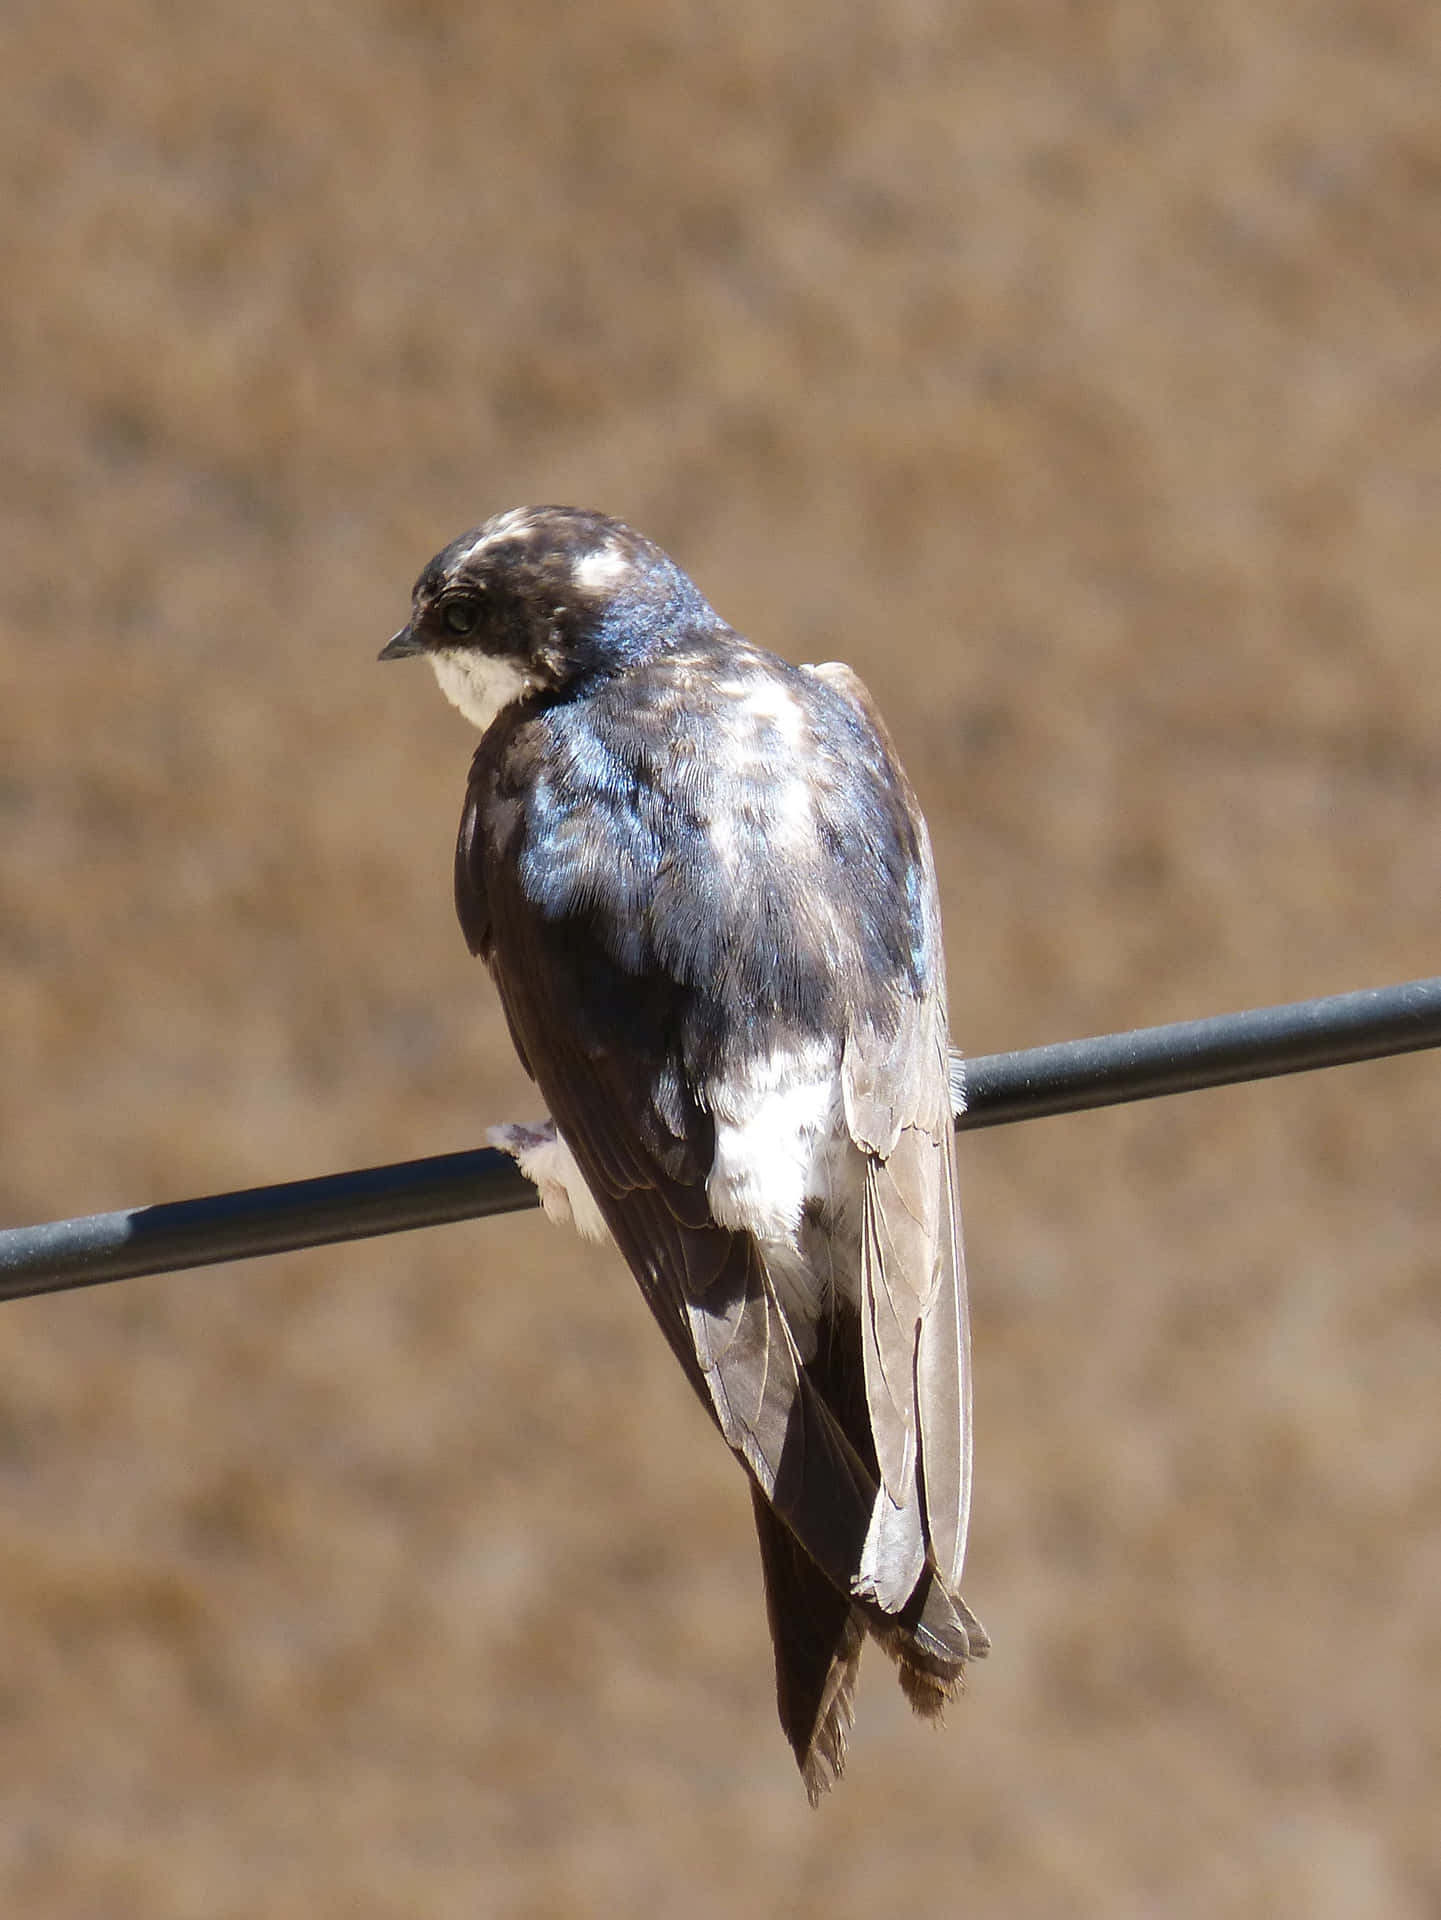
(705, 891)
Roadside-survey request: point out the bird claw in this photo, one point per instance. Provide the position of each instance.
(547, 1162)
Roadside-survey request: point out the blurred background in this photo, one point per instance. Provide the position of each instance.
(1072, 371)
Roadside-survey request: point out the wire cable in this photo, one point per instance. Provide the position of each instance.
(988, 1091)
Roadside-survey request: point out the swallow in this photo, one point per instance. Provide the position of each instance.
(706, 894)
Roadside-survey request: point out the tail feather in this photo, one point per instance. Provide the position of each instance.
(818, 1634)
(818, 1629)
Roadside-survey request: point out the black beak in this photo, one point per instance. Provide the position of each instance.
(401, 646)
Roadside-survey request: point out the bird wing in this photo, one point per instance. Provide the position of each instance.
(599, 1040)
(915, 1330)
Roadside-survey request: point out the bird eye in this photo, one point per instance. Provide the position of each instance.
(460, 616)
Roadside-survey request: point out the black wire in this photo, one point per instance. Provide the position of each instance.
(1077, 1074)
(990, 1091)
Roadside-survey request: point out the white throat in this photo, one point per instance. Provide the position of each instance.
(479, 684)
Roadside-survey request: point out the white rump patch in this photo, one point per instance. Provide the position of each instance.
(479, 684)
(776, 1127)
(548, 1163)
(593, 572)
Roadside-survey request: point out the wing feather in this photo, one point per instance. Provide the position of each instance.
(854, 1423)
(596, 1042)
(943, 1393)
(914, 1315)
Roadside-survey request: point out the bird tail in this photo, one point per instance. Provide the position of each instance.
(931, 1671)
(818, 1634)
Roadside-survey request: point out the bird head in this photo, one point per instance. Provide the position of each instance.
(541, 598)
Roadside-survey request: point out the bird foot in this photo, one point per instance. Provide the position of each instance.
(548, 1163)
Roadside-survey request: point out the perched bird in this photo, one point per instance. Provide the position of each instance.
(706, 893)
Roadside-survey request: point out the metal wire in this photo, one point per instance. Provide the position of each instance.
(990, 1090)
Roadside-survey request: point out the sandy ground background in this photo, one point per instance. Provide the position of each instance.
(1073, 371)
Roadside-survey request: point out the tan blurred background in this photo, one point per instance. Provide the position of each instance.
(1073, 371)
